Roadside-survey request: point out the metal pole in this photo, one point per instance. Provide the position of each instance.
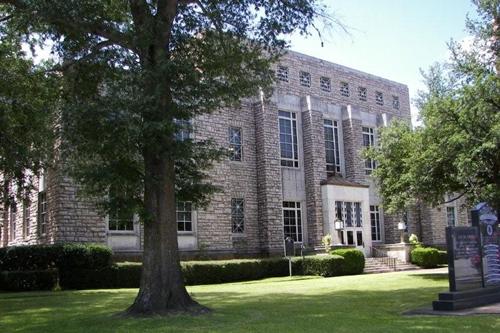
(290, 265)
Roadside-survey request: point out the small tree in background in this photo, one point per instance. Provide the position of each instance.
(457, 149)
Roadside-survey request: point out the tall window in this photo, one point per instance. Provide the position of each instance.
(350, 213)
(369, 141)
(43, 217)
(121, 220)
(375, 223)
(237, 215)
(26, 217)
(292, 220)
(235, 144)
(332, 153)
(451, 216)
(12, 226)
(184, 216)
(288, 139)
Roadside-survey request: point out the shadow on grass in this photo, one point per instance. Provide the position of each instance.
(433, 276)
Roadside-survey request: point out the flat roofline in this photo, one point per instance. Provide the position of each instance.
(361, 73)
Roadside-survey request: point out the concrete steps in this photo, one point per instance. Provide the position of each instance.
(380, 265)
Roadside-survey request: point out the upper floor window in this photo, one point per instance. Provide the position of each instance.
(369, 141)
(379, 98)
(235, 144)
(325, 84)
(332, 153)
(362, 93)
(451, 217)
(282, 73)
(237, 215)
(43, 218)
(305, 79)
(292, 220)
(120, 220)
(395, 102)
(288, 139)
(184, 216)
(344, 89)
(184, 129)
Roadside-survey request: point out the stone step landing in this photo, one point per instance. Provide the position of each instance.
(377, 265)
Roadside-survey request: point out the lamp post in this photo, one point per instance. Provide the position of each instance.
(339, 225)
(402, 228)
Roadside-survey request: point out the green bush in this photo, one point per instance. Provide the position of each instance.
(325, 265)
(354, 260)
(443, 257)
(28, 280)
(61, 256)
(426, 257)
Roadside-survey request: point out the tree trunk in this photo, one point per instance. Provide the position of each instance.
(4, 234)
(162, 289)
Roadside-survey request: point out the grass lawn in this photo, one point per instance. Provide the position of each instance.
(363, 303)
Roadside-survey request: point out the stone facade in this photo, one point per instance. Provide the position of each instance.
(313, 91)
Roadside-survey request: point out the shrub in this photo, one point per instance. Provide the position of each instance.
(354, 260)
(327, 242)
(426, 257)
(329, 265)
(28, 280)
(61, 256)
(443, 257)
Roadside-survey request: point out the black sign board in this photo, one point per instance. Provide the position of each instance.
(289, 247)
(485, 218)
(464, 258)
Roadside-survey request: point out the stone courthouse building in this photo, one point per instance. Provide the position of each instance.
(296, 170)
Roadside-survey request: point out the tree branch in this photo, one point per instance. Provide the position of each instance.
(67, 64)
(6, 18)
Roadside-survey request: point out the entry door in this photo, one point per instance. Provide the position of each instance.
(351, 214)
(354, 237)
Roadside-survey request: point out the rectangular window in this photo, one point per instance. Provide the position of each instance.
(238, 215)
(362, 93)
(184, 216)
(282, 73)
(332, 152)
(26, 217)
(379, 98)
(305, 79)
(350, 213)
(184, 129)
(350, 238)
(344, 89)
(43, 218)
(375, 223)
(369, 141)
(325, 84)
(121, 220)
(292, 220)
(451, 216)
(288, 139)
(12, 226)
(395, 102)
(235, 144)
(359, 238)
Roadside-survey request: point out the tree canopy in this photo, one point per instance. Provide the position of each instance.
(133, 74)
(457, 148)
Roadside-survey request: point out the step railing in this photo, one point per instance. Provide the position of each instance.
(383, 257)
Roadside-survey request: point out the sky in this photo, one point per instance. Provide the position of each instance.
(393, 39)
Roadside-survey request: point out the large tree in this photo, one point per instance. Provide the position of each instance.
(134, 73)
(457, 148)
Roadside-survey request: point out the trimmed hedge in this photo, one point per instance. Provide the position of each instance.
(354, 260)
(28, 280)
(60, 256)
(426, 257)
(329, 265)
(443, 257)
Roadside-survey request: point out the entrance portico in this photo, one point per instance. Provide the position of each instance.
(346, 213)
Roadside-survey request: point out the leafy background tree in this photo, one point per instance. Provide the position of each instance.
(134, 72)
(457, 148)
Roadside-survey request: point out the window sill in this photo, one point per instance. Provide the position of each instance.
(185, 233)
(238, 235)
(122, 232)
